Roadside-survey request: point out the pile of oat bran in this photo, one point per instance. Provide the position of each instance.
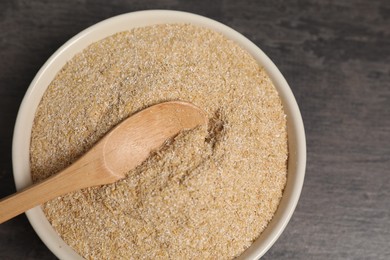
(209, 193)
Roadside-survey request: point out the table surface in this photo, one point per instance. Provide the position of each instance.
(335, 56)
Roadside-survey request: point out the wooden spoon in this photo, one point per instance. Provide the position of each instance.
(122, 149)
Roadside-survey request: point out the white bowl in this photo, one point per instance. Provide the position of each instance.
(24, 122)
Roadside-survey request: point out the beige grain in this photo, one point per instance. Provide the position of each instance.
(209, 192)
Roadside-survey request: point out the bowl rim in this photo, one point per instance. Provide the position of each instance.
(35, 91)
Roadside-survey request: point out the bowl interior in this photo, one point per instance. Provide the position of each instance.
(24, 122)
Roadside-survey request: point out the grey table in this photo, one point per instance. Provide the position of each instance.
(335, 56)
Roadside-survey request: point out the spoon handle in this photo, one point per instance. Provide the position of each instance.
(30, 197)
(86, 172)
